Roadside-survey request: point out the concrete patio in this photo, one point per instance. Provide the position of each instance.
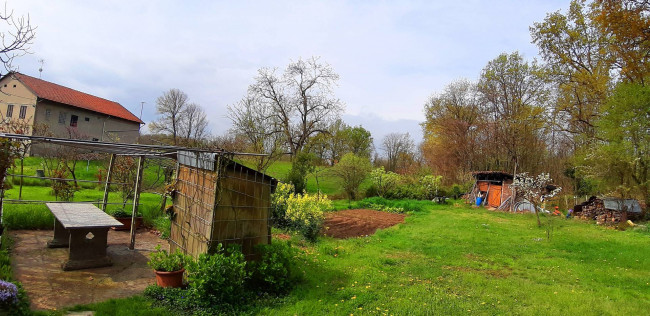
(38, 268)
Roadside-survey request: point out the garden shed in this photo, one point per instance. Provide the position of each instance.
(219, 201)
(493, 186)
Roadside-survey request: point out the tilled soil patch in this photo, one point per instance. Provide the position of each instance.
(361, 222)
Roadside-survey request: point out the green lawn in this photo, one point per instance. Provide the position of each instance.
(327, 183)
(84, 170)
(37, 216)
(459, 260)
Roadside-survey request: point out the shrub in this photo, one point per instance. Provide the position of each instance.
(63, 190)
(276, 272)
(431, 186)
(219, 278)
(351, 170)
(384, 181)
(306, 213)
(279, 204)
(161, 260)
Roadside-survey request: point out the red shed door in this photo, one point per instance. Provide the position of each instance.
(494, 197)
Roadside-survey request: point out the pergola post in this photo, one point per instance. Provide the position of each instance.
(136, 200)
(109, 174)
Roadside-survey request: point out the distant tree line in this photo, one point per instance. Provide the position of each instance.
(582, 113)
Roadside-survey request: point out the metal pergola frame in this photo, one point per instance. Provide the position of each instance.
(117, 149)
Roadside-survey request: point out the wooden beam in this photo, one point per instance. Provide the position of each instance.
(107, 186)
(136, 200)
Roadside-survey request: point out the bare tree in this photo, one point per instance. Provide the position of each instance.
(171, 106)
(193, 124)
(299, 104)
(17, 38)
(249, 120)
(397, 146)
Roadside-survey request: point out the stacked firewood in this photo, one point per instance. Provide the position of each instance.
(594, 209)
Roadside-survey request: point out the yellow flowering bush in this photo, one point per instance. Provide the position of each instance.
(301, 212)
(279, 204)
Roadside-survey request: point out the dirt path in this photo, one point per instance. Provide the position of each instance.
(38, 268)
(355, 223)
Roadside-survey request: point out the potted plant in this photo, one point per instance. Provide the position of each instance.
(169, 267)
(125, 218)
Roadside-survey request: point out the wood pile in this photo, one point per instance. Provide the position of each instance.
(594, 209)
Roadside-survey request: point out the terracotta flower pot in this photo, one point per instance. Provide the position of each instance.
(126, 221)
(170, 279)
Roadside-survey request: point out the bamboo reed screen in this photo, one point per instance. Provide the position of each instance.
(227, 203)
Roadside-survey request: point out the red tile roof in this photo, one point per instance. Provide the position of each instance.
(57, 93)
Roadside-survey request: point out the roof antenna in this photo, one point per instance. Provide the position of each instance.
(40, 69)
(141, 106)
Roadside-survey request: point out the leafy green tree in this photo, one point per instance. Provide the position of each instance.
(514, 95)
(352, 170)
(302, 165)
(578, 57)
(341, 139)
(454, 119)
(621, 156)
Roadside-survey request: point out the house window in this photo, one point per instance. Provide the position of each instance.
(62, 116)
(73, 120)
(48, 114)
(95, 139)
(10, 110)
(23, 111)
(87, 119)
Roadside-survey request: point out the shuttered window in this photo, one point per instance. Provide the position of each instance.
(23, 112)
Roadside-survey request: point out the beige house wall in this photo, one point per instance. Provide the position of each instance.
(13, 92)
(57, 116)
(90, 125)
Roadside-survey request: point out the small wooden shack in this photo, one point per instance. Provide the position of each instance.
(219, 201)
(493, 186)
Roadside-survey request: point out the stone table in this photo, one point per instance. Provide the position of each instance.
(83, 228)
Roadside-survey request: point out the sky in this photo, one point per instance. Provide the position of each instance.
(391, 55)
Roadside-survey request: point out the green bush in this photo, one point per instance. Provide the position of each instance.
(384, 182)
(220, 278)
(277, 271)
